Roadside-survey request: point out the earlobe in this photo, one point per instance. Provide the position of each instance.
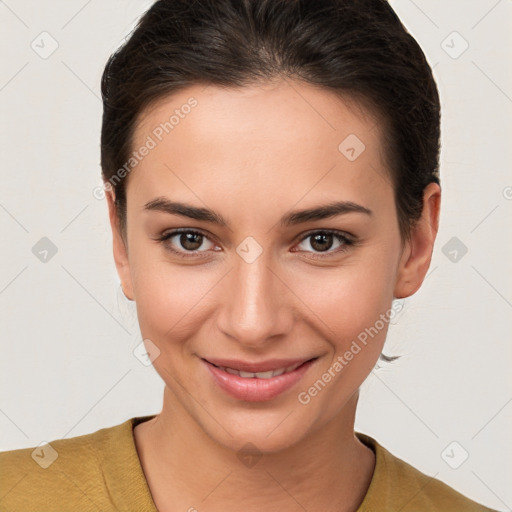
(417, 253)
(119, 247)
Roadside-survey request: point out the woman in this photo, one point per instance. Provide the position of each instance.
(271, 172)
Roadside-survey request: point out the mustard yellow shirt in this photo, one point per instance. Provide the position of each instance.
(101, 471)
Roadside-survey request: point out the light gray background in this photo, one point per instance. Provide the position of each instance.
(67, 366)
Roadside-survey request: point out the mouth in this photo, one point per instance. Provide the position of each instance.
(261, 374)
(257, 382)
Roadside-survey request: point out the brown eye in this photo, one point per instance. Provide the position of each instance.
(186, 242)
(191, 241)
(323, 241)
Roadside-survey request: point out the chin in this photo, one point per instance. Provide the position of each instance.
(258, 436)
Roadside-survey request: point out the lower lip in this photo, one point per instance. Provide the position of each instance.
(255, 389)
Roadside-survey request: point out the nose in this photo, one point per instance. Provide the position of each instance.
(255, 310)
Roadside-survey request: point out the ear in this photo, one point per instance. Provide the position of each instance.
(417, 252)
(119, 247)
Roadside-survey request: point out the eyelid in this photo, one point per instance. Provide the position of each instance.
(347, 238)
(167, 235)
(337, 232)
(176, 231)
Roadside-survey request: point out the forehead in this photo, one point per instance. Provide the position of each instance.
(270, 141)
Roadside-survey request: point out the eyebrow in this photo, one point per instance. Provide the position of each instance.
(162, 204)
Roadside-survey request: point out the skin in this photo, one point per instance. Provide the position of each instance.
(252, 155)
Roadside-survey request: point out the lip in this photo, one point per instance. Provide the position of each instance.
(256, 389)
(262, 366)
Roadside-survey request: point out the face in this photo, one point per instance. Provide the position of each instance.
(237, 277)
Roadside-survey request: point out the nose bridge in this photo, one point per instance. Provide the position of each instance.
(254, 310)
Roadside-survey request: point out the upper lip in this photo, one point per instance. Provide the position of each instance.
(254, 367)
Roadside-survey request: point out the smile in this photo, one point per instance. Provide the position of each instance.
(266, 381)
(260, 375)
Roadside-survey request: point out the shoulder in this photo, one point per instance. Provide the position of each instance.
(67, 474)
(396, 485)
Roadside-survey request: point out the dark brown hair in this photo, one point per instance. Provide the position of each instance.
(356, 48)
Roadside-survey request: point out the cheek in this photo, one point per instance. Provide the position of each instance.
(353, 309)
(170, 298)
(171, 306)
(350, 297)
(352, 306)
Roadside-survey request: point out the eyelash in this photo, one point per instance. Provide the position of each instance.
(345, 239)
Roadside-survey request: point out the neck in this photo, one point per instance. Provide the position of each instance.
(329, 470)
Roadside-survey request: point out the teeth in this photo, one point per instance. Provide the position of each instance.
(260, 375)
(246, 375)
(291, 368)
(264, 375)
